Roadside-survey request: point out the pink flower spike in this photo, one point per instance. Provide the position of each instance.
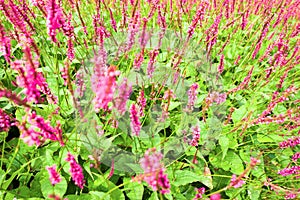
(236, 183)
(215, 197)
(221, 65)
(124, 91)
(196, 136)
(192, 96)
(154, 171)
(200, 192)
(53, 175)
(135, 122)
(289, 171)
(296, 156)
(54, 19)
(141, 101)
(76, 171)
(5, 122)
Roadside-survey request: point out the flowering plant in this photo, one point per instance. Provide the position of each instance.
(148, 99)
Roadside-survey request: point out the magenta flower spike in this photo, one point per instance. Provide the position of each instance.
(54, 176)
(135, 123)
(76, 171)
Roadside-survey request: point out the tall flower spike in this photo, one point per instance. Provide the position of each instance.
(212, 33)
(76, 171)
(200, 192)
(154, 171)
(141, 101)
(196, 136)
(198, 18)
(38, 130)
(5, 45)
(221, 65)
(54, 19)
(151, 67)
(124, 91)
(5, 122)
(236, 183)
(192, 97)
(53, 175)
(135, 121)
(103, 81)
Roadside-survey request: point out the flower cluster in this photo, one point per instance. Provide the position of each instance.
(5, 121)
(291, 142)
(199, 17)
(39, 130)
(76, 171)
(5, 45)
(221, 65)
(124, 91)
(261, 38)
(53, 175)
(133, 28)
(30, 79)
(215, 196)
(154, 171)
(200, 192)
(235, 182)
(267, 120)
(196, 136)
(289, 171)
(13, 97)
(290, 196)
(212, 33)
(103, 82)
(150, 69)
(216, 97)
(135, 123)
(54, 19)
(141, 101)
(138, 60)
(296, 156)
(192, 96)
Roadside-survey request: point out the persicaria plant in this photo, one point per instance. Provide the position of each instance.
(149, 99)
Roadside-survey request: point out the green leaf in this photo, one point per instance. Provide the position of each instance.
(58, 189)
(8, 196)
(183, 177)
(154, 196)
(134, 190)
(79, 197)
(231, 162)
(23, 192)
(174, 105)
(224, 142)
(238, 114)
(254, 192)
(269, 138)
(98, 195)
(105, 185)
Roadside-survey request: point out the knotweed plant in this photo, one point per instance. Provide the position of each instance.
(149, 99)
